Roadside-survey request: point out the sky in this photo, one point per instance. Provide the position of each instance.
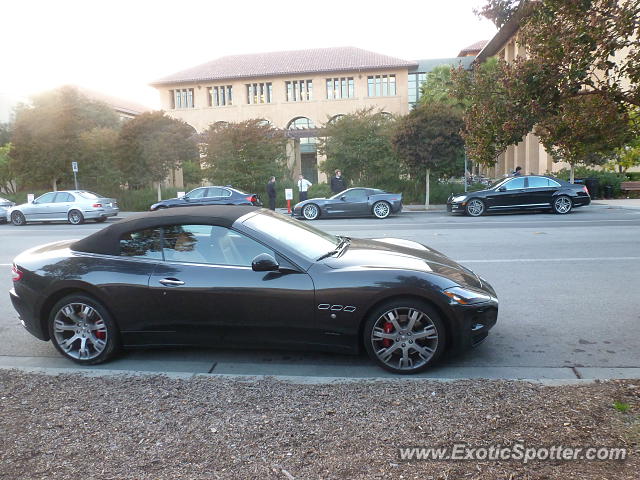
(117, 47)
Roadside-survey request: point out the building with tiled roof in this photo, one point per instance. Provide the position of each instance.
(473, 49)
(126, 109)
(296, 91)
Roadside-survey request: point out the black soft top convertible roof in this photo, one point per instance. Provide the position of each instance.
(107, 240)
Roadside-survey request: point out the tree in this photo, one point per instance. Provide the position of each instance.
(359, 144)
(6, 130)
(7, 175)
(439, 87)
(581, 76)
(429, 138)
(245, 154)
(499, 11)
(151, 145)
(46, 135)
(99, 160)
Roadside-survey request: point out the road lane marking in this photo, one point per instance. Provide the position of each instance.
(567, 259)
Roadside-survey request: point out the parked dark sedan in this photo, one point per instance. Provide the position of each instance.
(533, 192)
(248, 277)
(210, 196)
(353, 202)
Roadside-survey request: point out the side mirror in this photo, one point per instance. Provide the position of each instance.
(502, 189)
(343, 198)
(264, 263)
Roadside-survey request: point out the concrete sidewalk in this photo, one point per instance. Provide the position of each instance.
(631, 203)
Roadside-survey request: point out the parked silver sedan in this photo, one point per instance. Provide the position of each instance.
(73, 206)
(5, 205)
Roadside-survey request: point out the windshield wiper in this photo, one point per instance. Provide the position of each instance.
(344, 243)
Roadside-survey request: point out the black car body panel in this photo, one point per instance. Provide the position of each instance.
(353, 202)
(212, 195)
(522, 193)
(305, 304)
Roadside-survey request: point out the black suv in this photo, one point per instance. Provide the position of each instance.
(210, 196)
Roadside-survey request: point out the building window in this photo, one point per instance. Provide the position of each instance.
(338, 88)
(299, 90)
(415, 82)
(220, 96)
(259, 93)
(381, 85)
(182, 98)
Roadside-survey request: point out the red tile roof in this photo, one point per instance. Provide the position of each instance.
(286, 63)
(473, 48)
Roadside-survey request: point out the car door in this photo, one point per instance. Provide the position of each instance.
(207, 291)
(214, 196)
(510, 194)
(195, 197)
(541, 191)
(41, 208)
(353, 202)
(61, 205)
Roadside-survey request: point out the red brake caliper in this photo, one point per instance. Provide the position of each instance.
(101, 335)
(388, 328)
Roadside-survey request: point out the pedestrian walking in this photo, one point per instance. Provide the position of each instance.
(337, 182)
(271, 193)
(303, 187)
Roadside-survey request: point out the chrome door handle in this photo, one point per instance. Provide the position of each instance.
(171, 282)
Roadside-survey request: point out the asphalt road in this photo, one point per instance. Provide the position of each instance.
(568, 286)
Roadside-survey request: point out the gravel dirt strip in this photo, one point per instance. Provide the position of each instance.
(155, 427)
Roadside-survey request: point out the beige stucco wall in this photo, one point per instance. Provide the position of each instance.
(280, 112)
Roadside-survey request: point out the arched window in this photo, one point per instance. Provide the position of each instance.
(336, 117)
(221, 124)
(300, 123)
(263, 122)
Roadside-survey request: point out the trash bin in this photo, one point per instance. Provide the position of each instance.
(593, 186)
(607, 190)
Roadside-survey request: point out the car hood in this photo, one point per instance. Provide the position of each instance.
(399, 254)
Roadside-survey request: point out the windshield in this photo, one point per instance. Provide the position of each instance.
(338, 195)
(308, 241)
(498, 183)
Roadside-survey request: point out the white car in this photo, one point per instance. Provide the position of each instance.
(73, 206)
(5, 205)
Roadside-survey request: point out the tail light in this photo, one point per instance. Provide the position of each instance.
(585, 189)
(252, 198)
(16, 273)
(97, 205)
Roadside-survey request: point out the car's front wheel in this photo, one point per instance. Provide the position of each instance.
(404, 336)
(310, 211)
(75, 217)
(82, 330)
(475, 207)
(381, 209)
(17, 218)
(562, 205)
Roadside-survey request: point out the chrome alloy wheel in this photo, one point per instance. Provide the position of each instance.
(562, 204)
(404, 338)
(381, 209)
(475, 207)
(310, 211)
(80, 331)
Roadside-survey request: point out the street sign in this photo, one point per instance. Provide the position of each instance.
(288, 193)
(180, 194)
(74, 167)
(30, 197)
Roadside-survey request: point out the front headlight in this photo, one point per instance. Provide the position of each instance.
(465, 296)
(459, 198)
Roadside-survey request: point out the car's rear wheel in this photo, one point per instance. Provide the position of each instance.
(381, 209)
(404, 336)
(17, 218)
(475, 207)
(82, 330)
(562, 205)
(310, 211)
(75, 217)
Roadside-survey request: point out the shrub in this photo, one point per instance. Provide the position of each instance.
(604, 178)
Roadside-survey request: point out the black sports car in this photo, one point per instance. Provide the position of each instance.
(210, 196)
(533, 192)
(248, 277)
(353, 202)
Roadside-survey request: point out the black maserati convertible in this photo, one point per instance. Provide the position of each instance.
(532, 192)
(248, 277)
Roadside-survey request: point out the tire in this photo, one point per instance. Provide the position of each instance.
(17, 218)
(381, 209)
(87, 323)
(562, 205)
(414, 336)
(101, 219)
(75, 217)
(475, 207)
(310, 211)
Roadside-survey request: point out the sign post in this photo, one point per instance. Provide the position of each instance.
(288, 195)
(74, 167)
